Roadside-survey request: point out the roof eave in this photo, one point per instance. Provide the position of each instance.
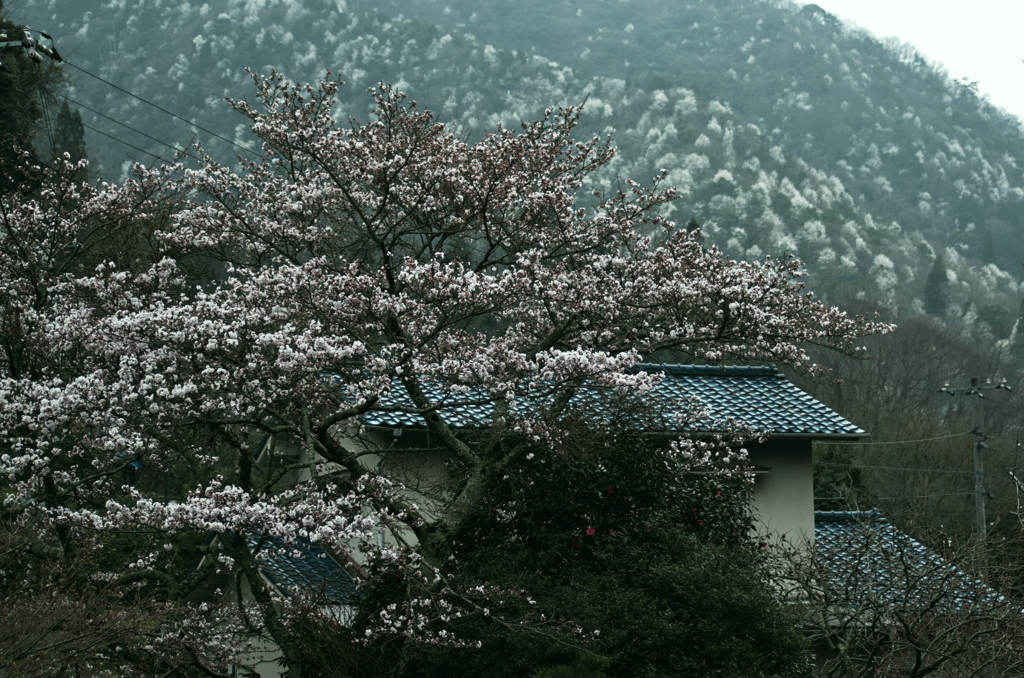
(774, 435)
(821, 436)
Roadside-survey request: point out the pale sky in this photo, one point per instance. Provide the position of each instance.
(981, 40)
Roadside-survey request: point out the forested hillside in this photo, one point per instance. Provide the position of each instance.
(195, 329)
(786, 132)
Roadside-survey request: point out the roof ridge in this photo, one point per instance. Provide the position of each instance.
(868, 516)
(687, 399)
(710, 370)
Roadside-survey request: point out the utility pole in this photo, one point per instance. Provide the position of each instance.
(980, 493)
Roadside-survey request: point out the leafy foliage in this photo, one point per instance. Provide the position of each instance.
(387, 268)
(936, 290)
(658, 569)
(785, 131)
(25, 100)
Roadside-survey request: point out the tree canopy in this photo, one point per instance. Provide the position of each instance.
(155, 334)
(29, 119)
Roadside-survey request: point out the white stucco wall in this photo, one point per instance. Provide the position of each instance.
(784, 495)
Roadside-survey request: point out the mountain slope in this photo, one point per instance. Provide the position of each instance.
(785, 132)
(913, 146)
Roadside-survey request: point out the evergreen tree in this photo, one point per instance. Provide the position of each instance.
(22, 87)
(693, 227)
(69, 136)
(19, 103)
(936, 290)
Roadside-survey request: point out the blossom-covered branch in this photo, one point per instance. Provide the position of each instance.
(231, 328)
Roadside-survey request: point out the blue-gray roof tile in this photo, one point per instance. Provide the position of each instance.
(760, 397)
(305, 565)
(863, 555)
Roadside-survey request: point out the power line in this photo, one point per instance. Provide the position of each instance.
(53, 54)
(47, 110)
(120, 141)
(46, 114)
(898, 442)
(159, 108)
(1014, 443)
(126, 126)
(903, 468)
(914, 496)
(894, 468)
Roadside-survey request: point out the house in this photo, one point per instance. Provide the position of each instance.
(689, 400)
(879, 599)
(699, 401)
(864, 571)
(327, 581)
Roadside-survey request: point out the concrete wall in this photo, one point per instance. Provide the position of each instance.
(783, 493)
(783, 496)
(784, 490)
(412, 460)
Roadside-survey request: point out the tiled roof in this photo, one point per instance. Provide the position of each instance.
(760, 397)
(305, 565)
(866, 557)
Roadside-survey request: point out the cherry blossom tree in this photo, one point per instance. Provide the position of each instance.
(155, 333)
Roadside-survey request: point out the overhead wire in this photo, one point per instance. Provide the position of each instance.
(46, 110)
(48, 122)
(126, 126)
(917, 469)
(914, 496)
(1000, 439)
(897, 442)
(158, 107)
(893, 468)
(120, 141)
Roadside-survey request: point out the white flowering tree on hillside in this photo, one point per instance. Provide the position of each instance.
(153, 332)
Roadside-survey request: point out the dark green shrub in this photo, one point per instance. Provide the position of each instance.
(658, 572)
